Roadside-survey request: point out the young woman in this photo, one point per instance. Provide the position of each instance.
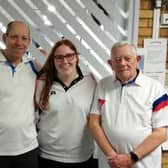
(64, 96)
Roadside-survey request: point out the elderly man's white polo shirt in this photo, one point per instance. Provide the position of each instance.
(17, 128)
(130, 112)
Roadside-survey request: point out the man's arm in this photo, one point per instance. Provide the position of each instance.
(37, 62)
(157, 137)
(99, 135)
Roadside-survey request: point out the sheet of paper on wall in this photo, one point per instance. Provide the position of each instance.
(160, 76)
(156, 55)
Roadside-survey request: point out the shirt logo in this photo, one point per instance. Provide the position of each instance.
(101, 102)
(53, 92)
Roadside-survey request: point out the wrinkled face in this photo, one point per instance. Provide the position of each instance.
(65, 61)
(17, 40)
(124, 63)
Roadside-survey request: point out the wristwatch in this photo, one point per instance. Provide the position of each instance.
(134, 156)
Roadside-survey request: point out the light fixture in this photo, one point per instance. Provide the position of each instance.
(51, 8)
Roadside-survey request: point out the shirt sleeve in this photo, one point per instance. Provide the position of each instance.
(160, 108)
(97, 101)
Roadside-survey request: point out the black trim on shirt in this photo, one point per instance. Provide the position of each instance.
(80, 77)
(131, 81)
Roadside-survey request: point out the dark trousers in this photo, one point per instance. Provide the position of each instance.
(26, 160)
(45, 163)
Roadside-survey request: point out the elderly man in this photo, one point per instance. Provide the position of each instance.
(129, 114)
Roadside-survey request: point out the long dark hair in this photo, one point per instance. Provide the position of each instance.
(48, 72)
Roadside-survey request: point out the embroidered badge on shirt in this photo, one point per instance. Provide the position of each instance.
(53, 92)
(101, 102)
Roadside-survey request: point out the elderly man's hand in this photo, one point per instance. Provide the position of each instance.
(121, 161)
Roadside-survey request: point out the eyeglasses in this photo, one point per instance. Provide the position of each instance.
(69, 57)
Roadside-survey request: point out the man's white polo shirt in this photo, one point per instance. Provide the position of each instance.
(17, 128)
(130, 112)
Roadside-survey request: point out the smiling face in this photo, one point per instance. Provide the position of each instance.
(124, 62)
(65, 61)
(17, 40)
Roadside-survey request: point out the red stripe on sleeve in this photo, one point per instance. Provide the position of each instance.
(160, 106)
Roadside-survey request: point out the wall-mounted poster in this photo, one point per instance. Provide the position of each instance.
(156, 55)
(143, 66)
(155, 59)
